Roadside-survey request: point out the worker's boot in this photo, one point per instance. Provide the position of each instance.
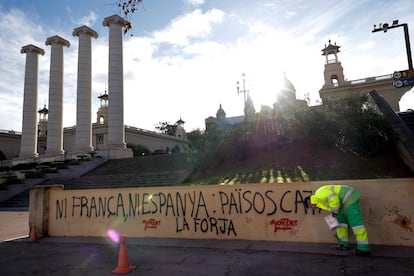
(341, 247)
(361, 253)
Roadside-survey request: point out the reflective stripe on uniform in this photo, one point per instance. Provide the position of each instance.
(336, 209)
(358, 227)
(362, 242)
(348, 193)
(331, 196)
(342, 232)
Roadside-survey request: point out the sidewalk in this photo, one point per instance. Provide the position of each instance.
(99, 256)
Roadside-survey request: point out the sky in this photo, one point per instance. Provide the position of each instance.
(183, 58)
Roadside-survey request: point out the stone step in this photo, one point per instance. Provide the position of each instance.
(20, 201)
(149, 171)
(125, 180)
(151, 163)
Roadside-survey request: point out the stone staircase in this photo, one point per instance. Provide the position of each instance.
(124, 180)
(146, 171)
(19, 202)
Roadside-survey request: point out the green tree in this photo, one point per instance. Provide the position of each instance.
(128, 7)
(197, 150)
(266, 112)
(139, 150)
(353, 124)
(360, 127)
(166, 128)
(314, 126)
(204, 146)
(249, 110)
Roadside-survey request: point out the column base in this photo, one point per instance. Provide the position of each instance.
(54, 153)
(87, 151)
(23, 159)
(28, 155)
(116, 153)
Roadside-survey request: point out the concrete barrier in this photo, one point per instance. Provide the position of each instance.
(273, 212)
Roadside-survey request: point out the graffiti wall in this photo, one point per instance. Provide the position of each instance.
(248, 212)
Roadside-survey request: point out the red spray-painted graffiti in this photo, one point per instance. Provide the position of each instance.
(151, 223)
(284, 224)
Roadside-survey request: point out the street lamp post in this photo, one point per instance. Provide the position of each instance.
(385, 27)
(244, 91)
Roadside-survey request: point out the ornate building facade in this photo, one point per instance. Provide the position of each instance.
(336, 86)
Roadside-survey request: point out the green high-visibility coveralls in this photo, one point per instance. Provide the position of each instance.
(344, 201)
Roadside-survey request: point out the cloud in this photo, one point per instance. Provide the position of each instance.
(190, 65)
(182, 70)
(88, 20)
(193, 25)
(194, 2)
(13, 37)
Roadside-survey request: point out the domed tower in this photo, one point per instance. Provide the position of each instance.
(249, 110)
(42, 125)
(286, 98)
(180, 131)
(102, 114)
(42, 130)
(334, 73)
(220, 115)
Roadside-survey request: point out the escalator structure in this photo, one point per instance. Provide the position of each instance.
(402, 124)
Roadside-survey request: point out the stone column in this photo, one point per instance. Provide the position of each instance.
(28, 146)
(83, 140)
(55, 122)
(116, 135)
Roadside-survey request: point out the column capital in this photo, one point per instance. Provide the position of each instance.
(84, 30)
(31, 48)
(57, 40)
(114, 19)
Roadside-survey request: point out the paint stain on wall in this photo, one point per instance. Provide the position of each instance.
(404, 222)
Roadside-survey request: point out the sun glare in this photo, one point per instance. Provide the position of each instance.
(264, 89)
(113, 235)
(407, 101)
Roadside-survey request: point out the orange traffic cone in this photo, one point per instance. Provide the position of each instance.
(33, 234)
(123, 261)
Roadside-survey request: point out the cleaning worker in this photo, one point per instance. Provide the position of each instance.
(343, 203)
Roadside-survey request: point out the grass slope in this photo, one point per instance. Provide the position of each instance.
(298, 162)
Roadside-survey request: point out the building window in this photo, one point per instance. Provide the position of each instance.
(334, 81)
(99, 139)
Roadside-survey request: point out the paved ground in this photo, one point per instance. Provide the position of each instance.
(99, 256)
(13, 224)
